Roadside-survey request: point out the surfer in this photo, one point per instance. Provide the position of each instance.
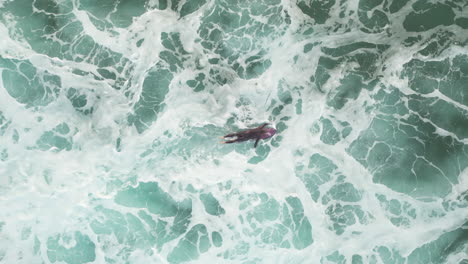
(258, 133)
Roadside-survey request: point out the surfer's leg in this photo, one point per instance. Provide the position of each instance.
(229, 141)
(239, 138)
(231, 135)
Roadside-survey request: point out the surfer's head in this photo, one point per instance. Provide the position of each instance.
(267, 133)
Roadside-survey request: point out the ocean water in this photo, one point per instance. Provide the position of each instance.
(111, 112)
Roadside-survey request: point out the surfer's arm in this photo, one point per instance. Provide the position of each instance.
(256, 142)
(262, 126)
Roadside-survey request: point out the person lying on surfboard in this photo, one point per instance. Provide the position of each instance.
(261, 132)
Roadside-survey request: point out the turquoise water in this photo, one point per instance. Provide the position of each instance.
(111, 112)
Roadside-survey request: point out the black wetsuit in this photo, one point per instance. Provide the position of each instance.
(255, 133)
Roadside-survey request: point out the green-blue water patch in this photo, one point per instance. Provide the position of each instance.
(343, 216)
(406, 153)
(443, 114)
(172, 42)
(53, 30)
(69, 42)
(198, 83)
(107, 14)
(440, 249)
(397, 5)
(363, 54)
(151, 103)
(438, 42)
(356, 259)
(389, 256)
(427, 16)
(217, 239)
(36, 25)
(376, 21)
(294, 218)
(57, 139)
(212, 205)
(335, 257)
(27, 84)
(331, 134)
(462, 22)
(141, 231)
(399, 213)
(316, 9)
(175, 54)
(349, 48)
(319, 170)
(4, 124)
(82, 252)
(280, 224)
(191, 6)
(447, 76)
(227, 31)
(261, 152)
(195, 242)
(157, 81)
(81, 101)
(150, 196)
(368, 5)
(342, 191)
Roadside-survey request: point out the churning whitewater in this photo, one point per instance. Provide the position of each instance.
(111, 113)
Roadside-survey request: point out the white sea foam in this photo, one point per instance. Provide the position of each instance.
(57, 192)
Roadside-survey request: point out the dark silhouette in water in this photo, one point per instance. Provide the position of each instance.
(256, 133)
